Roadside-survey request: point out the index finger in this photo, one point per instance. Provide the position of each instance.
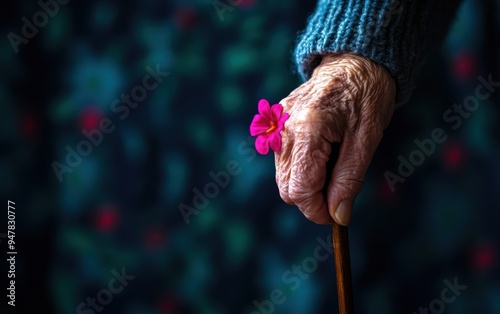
(307, 179)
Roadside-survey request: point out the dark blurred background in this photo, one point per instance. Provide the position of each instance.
(83, 220)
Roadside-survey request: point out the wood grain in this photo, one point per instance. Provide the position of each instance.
(343, 268)
(341, 247)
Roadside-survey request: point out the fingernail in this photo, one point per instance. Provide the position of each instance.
(343, 213)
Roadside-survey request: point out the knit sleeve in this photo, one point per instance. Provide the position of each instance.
(397, 34)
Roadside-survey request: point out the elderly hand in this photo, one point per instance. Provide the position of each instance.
(349, 99)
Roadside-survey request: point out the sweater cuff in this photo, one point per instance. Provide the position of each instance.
(395, 34)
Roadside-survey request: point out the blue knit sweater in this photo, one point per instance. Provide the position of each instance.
(396, 34)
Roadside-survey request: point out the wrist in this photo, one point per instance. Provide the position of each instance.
(362, 82)
(352, 63)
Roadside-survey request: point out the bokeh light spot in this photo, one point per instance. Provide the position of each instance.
(186, 18)
(483, 257)
(453, 156)
(29, 125)
(90, 117)
(106, 218)
(155, 238)
(464, 65)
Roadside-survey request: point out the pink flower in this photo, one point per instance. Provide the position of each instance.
(267, 126)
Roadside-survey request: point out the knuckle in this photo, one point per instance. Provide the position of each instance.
(282, 184)
(295, 195)
(350, 183)
(316, 219)
(298, 195)
(297, 192)
(284, 196)
(315, 214)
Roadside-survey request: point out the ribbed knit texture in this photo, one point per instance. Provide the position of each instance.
(395, 34)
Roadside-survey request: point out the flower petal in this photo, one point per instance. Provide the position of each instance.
(265, 109)
(275, 141)
(259, 125)
(262, 144)
(277, 109)
(282, 120)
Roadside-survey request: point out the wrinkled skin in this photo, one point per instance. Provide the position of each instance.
(350, 100)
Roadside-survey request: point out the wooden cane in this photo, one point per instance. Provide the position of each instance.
(342, 268)
(340, 248)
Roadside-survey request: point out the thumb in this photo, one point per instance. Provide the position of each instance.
(348, 175)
